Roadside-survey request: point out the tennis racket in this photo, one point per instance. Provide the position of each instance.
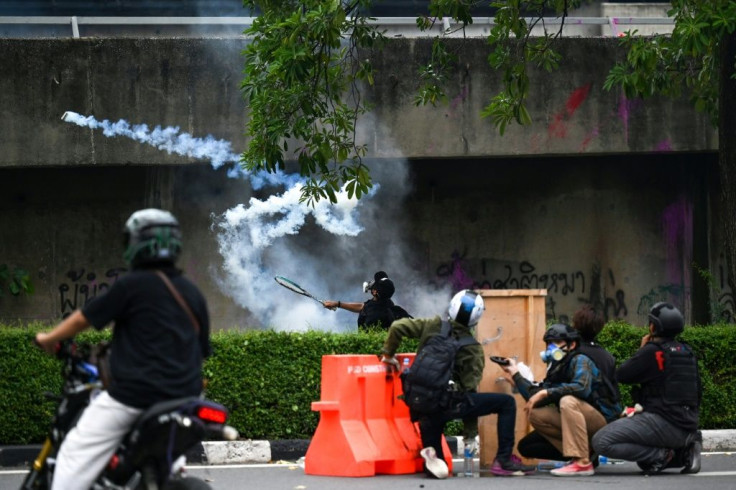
(292, 286)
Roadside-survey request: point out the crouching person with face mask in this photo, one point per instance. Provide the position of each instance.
(572, 402)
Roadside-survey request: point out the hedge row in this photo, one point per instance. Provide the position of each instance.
(268, 380)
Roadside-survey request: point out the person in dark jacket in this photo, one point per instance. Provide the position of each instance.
(664, 432)
(466, 308)
(571, 403)
(379, 310)
(589, 323)
(156, 350)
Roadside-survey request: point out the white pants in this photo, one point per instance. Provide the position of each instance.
(89, 446)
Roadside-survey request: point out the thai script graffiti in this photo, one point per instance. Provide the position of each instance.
(598, 291)
(525, 277)
(556, 282)
(598, 288)
(83, 285)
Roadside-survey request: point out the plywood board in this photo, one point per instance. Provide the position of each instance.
(511, 326)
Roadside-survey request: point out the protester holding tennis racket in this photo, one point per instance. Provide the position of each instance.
(378, 311)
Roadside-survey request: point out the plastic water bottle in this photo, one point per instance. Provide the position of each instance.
(405, 365)
(469, 460)
(607, 460)
(547, 465)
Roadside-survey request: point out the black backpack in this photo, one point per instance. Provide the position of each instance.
(426, 384)
(399, 312)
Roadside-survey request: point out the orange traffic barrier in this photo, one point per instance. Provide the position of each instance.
(364, 428)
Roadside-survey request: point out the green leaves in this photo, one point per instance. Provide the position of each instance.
(433, 75)
(15, 281)
(301, 85)
(302, 75)
(514, 50)
(686, 60)
(268, 380)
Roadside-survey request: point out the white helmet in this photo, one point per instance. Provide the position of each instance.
(466, 307)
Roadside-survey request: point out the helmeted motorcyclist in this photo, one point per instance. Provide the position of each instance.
(664, 434)
(157, 349)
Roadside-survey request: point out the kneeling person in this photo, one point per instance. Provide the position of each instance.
(464, 402)
(665, 433)
(584, 403)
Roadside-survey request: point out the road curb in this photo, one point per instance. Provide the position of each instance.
(244, 452)
(258, 451)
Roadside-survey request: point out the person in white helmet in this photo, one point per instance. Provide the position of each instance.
(466, 403)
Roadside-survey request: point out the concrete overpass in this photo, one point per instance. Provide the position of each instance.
(601, 199)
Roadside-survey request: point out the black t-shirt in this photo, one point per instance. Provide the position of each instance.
(156, 353)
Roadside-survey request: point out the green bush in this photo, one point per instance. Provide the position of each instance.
(268, 380)
(25, 374)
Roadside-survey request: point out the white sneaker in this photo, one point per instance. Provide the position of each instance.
(434, 465)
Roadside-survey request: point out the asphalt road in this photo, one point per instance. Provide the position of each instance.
(718, 473)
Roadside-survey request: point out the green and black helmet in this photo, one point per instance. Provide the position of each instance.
(151, 236)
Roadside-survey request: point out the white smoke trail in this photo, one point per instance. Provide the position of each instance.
(244, 232)
(169, 139)
(324, 248)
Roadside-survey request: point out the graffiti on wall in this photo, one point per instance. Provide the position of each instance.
(82, 286)
(722, 301)
(597, 287)
(673, 293)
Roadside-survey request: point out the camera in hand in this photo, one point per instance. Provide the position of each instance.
(503, 361)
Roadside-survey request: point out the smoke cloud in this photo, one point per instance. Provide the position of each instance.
(329, 249)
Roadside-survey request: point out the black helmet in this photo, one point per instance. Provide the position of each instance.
(379, 275)
(384, 287)
(151, 236)
(561, 331)
(667, 320)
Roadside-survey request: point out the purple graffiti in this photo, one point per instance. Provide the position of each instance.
(677, 221)
(664, 145)
(455, 270)
(626, 107)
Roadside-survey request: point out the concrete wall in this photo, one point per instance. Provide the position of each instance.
(193, 84)
(624, 10)
(601, 199)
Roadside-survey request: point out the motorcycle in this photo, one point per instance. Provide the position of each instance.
(152, 454)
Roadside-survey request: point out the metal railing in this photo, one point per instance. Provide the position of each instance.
(403, 26)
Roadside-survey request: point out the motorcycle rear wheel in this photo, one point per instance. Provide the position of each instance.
(188, 483)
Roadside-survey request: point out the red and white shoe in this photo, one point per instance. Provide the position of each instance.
(574, 469)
